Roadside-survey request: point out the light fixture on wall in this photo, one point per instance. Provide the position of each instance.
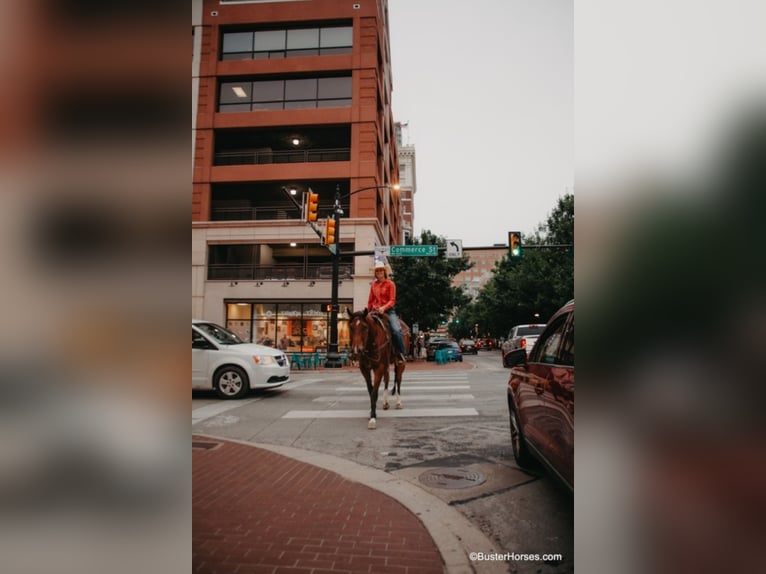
(285, 283)
(233, 283)
(296, 141)
(258, 283)
(312, 283)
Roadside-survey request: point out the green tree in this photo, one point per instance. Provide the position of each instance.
(532, 288)
(424, 290)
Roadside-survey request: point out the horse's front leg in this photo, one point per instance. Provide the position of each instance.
(398, 372)
(373, 390)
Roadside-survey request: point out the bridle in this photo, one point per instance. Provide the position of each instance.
(370, 346)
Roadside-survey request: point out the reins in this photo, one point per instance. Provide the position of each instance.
(370, 347)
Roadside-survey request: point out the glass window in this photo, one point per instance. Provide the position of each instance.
(269, 40)
(268, 91)
(238, 320)
(334, 37)
(334, 88)
(546, 349)
(567, 347)
(236, 92)
(301, 39)
(305, 89)
(238, 42)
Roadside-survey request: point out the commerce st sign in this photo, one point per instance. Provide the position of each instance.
(413, 250)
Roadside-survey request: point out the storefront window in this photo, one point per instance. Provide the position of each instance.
(265, 324)
(293, 327)
(238, 319)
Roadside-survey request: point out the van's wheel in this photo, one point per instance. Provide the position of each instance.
(520, 450)
(231, 382)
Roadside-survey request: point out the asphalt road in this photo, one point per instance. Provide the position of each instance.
(451, 438)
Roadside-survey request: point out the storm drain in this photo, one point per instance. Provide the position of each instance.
(452, 478)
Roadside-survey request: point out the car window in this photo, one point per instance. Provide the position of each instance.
(567, 346)
(197, 338)
(531, 330)
(547, 347)
(219, 334)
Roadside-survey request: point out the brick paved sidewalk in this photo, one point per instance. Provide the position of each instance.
(258, 512)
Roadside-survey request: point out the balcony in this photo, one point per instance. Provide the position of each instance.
(285, 272)
(269, 156)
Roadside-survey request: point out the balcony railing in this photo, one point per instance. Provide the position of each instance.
(250, 272)
(267, 156)
(250, 213)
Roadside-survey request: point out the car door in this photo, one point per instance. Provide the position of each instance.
(201, 349)
(533, 397)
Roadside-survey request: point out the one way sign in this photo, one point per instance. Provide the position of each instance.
(454, 249)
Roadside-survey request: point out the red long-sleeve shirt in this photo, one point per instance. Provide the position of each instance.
(382, 294)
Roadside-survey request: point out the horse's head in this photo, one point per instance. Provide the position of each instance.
(359, 331)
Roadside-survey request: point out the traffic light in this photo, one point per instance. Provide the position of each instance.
(312, 204)
(514, 244)
(329, 232)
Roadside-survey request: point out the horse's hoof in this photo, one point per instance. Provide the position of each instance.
(385, 406)
(372, 424)
(398, 405)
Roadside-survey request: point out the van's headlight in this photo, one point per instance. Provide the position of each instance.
(263, 359)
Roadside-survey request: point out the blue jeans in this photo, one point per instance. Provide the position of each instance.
(396, 330)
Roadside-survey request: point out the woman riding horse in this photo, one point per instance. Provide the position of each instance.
(371, 345)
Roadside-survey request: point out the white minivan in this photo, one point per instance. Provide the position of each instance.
(223, 362)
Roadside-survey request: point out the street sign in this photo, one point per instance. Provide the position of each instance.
(454, 249)
(414, 250)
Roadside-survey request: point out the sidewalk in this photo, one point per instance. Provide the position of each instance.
(266, 509)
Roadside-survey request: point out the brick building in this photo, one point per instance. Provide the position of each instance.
(289, 96)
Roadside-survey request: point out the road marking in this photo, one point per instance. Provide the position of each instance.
(362, 413)
(215, 409)
(404, 397)
(406, 388)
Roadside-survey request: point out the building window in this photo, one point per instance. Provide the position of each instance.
(292, 327)
(288, 94)
(286, 43)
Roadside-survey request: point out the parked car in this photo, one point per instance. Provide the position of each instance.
(521, 337)
(432, 345)
(468, 347)
(221, 361)
(541, 398)
(453, 350)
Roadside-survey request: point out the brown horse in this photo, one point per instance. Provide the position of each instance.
(371, 344)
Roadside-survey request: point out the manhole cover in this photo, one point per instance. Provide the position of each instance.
(452, 478)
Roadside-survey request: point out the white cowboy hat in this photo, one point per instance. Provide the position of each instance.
(380, 263)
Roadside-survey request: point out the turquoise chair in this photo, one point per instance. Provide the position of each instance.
(296, 361)
(316, 360)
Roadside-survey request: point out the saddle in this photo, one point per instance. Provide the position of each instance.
(383, 321)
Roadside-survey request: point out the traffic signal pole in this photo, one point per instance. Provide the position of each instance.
(333, 357)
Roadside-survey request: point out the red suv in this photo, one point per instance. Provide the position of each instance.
(541, 398)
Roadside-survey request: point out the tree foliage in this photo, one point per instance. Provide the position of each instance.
(424, 290)
(529, 289)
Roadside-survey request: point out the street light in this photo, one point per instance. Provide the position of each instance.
(333, 357)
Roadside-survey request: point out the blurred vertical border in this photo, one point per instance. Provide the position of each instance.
(95, 171)
(670, 278)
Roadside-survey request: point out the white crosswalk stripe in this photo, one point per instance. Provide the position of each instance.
(440, 391)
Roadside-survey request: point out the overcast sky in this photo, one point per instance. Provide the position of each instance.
(486, 89)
